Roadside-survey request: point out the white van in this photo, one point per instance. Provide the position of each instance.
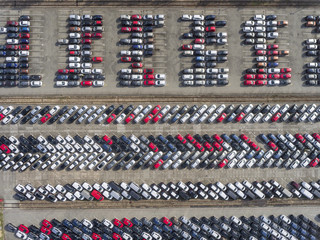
(135, 187)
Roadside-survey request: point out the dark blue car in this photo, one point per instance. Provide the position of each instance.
(24, 29)
(137, 47)
(11, 65)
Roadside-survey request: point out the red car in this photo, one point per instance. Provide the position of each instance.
(111, 118)
(273, 46)
(97, 23)
(86, 83)
(12, 23)
(45, 230)
(249, 83)
(97, 59)
(12, 47)
(261, 82)
(262, 70)
(208, 146)
(254, 146)
(314, 162)
(153, 147)
(118, 223)
(46, 224)
(274, 76)
(136, 65)
(191, 139)
(129, 118)
(181, 138)
(187, 47)
(66, 237)
(86, 41)
(273, 52)
(285, 70)
(158, 163)
(97, 35)
(156, 109)
(217, 146)
(2, 116)
(149, 83)
(199, 41)
(148, 70)
(245, 138)
(126, 29)
(24, 47)
(316, 136)
(74, 53)
(157, 118)
(285, 76)
(23, 228)
(116, 236)
(222, 116)
(97, 195)
(148, 118)
(261, 52)
(137, 23)
(199, 146)
(261, 76)
(167, 221)
(5, 148)
(46, 117)
(249, 76)
(127, 222)
(24, 35)
(223, 163)
(218, 138)
(125, 59)
(96, 236)
(148, 76)
(240, 116)
(136, 17)
(63, 71)
(276, 117)
(273, 146)
(300, 138)
(86, 35)
(210, 29)
(74, 71)
(136, 29)
(107, 139)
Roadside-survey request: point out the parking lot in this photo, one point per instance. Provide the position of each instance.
(46, 57)
(51, 25)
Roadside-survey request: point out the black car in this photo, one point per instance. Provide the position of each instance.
(74, 77)
(74, 41)
(13, 35)
(97, 17)
(210, 17)
(87, 23)
(118, 110)
(86, 47)
(271, 17)
(35, 77)
(11, 77)
(199, 34)
(187, 35)
(99, 77)
(86, 59)
(221, 23)
(148, 29)
(109, 109)
(20, 197)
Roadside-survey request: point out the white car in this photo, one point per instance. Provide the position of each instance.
(24, 23)
(86, 65)
(74, 17)
(160, 76)
(249, 23)
(74, 65)
(74, 35)
(222, 41)
(23, 53)
(261, 59)
(186, 17)
(211, 53)
(73, 47)
(74, 59)
(160, 83)
(98, 83)
(187, 77)
(70, 196)
(12, 59)
(3, 30)
(36, 83)
(12, 41)
(260, 47)
(86, 71)
(61, 83)
(272, 35)
(259, 17)
(247, 29)
(97, 71)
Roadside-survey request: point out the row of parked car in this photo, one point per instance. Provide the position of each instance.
(15, 69)
(234, 228)
(196, 114)
(159, 152)
(142, 44)
(204, 72)
(83, 30)
(257, 31)
(176, 191)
